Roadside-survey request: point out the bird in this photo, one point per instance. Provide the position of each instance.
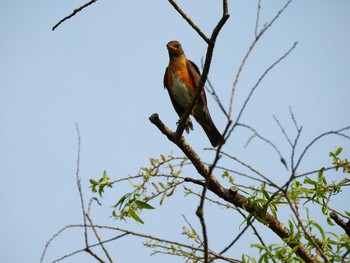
(181, 79)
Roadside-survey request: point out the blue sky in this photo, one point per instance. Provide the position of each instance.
(103, 70)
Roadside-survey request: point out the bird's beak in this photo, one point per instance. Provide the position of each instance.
(169, 47)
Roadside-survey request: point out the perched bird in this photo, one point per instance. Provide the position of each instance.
(181, 78)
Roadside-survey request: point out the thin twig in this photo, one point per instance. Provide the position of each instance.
(283, 131)
(213, 93)
(198, 91)
(257, 19)
(235, 239)
(293, 151)
(87, 248)
(98, 237)
(256, 134)
(271, 183)
(128, 232)
(90, 246)
(50, 240)
(293, 118)
(307, 235)
(249, 224)
(230, 196)
(189, 21)
(77, 10)
(257, 84)
(336, 132)
(247, 54)
(206, 68)
(254, 178)
(314, 171)
(79, 186)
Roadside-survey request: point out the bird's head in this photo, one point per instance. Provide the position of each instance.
(174, 49)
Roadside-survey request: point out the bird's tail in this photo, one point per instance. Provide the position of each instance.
(210, 130)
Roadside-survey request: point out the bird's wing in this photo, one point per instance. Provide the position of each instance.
(165, 80)
(195, 75)
(179, 110)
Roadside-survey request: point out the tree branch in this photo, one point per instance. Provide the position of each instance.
(189, 21)
(257, 84)
(231, 196)
(206, 68)
(77, 10)
(79, 186)
(341, 223)
(251, 47)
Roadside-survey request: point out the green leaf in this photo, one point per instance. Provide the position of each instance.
(135, 216)
(261, 247)
(162, 198)
(320, 229)
(121, 200)
(338, 151)
(291, 227)
(100, 191)
(294, 249)
(143, 205)
(225, 174)
(273, 210)
(93, 182)
(320, 173)
(266, 194)
(155, 186)
(171, 192)
(162, 185)
(329, 221)
(307, 180)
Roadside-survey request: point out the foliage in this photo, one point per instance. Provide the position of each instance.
(304, 238)
(340, 163)
(100, 184)
(162, 177)
(131, 204)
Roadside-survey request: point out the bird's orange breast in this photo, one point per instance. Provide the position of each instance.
(177, 70)
(180, 83)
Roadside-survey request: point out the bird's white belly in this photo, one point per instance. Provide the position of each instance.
(181, 93)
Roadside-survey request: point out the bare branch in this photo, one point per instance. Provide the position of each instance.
(98, 237)
(307, 234)
(206, 68)
(315, 171)
(91, 246)
(212, 92)
(233, 197)
(341, 223)
(267, 180)
(50, 240)
(257, 18)
(293, 118)
(283, 131)
(251, 47)
(77, 10)
(257, 84)
(249, 224)
(293, 151)
(79, 185)
(189, 21)
(336, 132)
(128, 232)
(256, 134)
